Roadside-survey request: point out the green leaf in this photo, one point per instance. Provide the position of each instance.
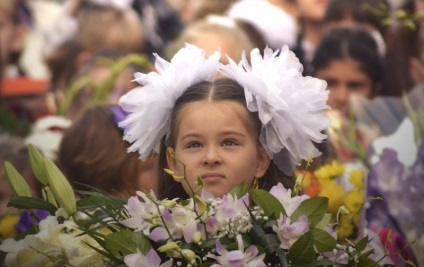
(61, 188)
(362, 244)
(302, 251)
(17, 183)
(324, 222)
(267, 202)
(323, 241)
(126, 242)
(324, 262)
(240, 190)
(366, 262)
(31, 203)
(314, 208)
(36, 160)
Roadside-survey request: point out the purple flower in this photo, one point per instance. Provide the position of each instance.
(289, 232)
(237, 258)
(26, 221)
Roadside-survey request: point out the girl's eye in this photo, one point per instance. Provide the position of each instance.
(229, 143)
(194, 145)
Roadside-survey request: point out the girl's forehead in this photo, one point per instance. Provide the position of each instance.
(229, 108)
(226, 105)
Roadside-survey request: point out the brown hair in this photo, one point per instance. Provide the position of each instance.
(219, 90)
(124, 32)
(93, 152)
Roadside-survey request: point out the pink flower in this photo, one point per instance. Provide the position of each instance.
(289, 232)
(283, 195)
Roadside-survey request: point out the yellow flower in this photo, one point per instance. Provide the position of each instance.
(345, 229)
(329, 171)
(354, 200)
(357, 178)
(7, 226)
(335, 194)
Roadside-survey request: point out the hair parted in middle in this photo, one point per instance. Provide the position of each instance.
(224, 89)
(285, 109)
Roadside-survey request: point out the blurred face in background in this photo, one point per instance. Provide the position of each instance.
(344, 78)
(311, 10)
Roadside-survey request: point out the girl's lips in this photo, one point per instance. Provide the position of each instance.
(212, 177)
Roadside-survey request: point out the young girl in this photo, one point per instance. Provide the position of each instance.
(348, 59)
(257, 124)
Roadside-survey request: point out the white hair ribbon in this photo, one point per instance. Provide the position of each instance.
(290, 106)
(149, 119)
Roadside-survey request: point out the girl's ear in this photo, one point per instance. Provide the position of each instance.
(172, 163)
(263, 162)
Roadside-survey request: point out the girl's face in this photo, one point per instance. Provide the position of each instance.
(345, 77)
(214, 142)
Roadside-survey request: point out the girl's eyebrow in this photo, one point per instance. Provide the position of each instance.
(232, 132)
(223, 133)
(190, 135)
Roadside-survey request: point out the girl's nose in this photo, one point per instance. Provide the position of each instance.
(212, 157)
(339, 97)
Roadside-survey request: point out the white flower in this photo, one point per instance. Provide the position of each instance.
(230, 216)
(152, 259)
(402, 141)
(290, 106)
(47, 133)
(150, 106)
(59, 243)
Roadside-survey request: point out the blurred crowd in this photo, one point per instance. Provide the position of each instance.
(64, 64)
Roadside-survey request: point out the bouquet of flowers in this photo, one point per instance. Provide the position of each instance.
(247, 227)
(397, 177)
(343, 185)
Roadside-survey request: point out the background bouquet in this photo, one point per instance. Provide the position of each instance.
(344, 186)
(248, 227)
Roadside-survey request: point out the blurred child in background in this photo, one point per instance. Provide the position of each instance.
(92, 152)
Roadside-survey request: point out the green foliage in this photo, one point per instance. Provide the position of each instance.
(240, 190)
(126, 242)
(323, 241)
(314, 208)
(31, 203)
(302, 252)
(271, 206)
(10, 123)
(100, 91)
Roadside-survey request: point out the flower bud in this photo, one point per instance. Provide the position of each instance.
(197, 236)
(37, 165)
(17, 183)
(201, 204)
(61, 188)
(168, 203)
(188, 254)
(168, 247)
